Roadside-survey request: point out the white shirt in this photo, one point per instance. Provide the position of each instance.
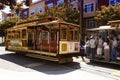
(92, 43)
(87, 43)
(105, 45)
(115, 43)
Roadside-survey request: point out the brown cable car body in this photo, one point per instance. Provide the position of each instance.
(46, 38)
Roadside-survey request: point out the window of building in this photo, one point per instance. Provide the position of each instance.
(0, 16)
(21, 14)
(40, 9)
(74, 9)
(50, 5)
(90, 23)
(32, 12)
(60, 3)
(89, 8)
(112, 2)
(118, 1)
(25, 14)
(72, 0)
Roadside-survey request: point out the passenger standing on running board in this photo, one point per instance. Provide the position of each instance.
(92, 46)
(87, 47)
(99, 47)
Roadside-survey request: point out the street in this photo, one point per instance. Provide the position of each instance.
(18, 67)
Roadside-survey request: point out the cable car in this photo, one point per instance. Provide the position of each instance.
(46, 38)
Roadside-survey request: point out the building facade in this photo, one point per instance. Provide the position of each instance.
(24, 13)
(89, 11)
(75, 4)
(37, 8)
(114, 2)
(59, 3)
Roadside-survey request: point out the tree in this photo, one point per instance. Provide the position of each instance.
(14, 6)
(107, 14)
(17, 8)
(7, 24)
(10, 3)
(65, 13)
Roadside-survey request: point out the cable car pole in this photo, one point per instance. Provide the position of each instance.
(81, 18)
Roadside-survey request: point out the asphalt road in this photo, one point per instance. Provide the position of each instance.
(17, 67)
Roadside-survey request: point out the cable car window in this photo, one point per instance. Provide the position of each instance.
(45, 35)
(71, 33)
(17, 34)
(63, 32)
(39, 35)
(53, 36)
(23, 33)
(76, 37)
(9, 35)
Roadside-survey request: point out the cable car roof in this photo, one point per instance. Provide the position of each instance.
(102, 28)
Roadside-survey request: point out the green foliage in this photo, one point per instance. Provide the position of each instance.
(65, 13)
(107, 14)
(10, 22)
(10, 3)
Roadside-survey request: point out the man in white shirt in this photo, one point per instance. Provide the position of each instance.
(92, 46)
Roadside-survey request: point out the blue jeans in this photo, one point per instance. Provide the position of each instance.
(88, 51)
(93, 53)
(113, 54)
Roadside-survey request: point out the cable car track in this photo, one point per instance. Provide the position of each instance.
(106, 72)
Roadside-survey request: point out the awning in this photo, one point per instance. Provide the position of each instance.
(92, 29)
(106, 27)
(102, 28)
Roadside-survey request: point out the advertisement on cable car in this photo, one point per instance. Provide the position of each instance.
(69, 47)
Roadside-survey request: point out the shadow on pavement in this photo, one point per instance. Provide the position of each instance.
(2, 44)
(103, 64)
(44, 66)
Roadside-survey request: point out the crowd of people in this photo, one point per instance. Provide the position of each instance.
(98, 48)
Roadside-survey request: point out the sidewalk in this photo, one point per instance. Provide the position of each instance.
(80, 59)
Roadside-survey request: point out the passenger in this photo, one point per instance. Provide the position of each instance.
(113, 54)
(82, 50)
(92, 46)
(106, 51)
(87, 47)
(115, 43)
(114, 49)
(118, 48)
(99, 47)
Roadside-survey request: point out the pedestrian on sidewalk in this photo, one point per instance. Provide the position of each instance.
(82, 50)
(87, 47)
